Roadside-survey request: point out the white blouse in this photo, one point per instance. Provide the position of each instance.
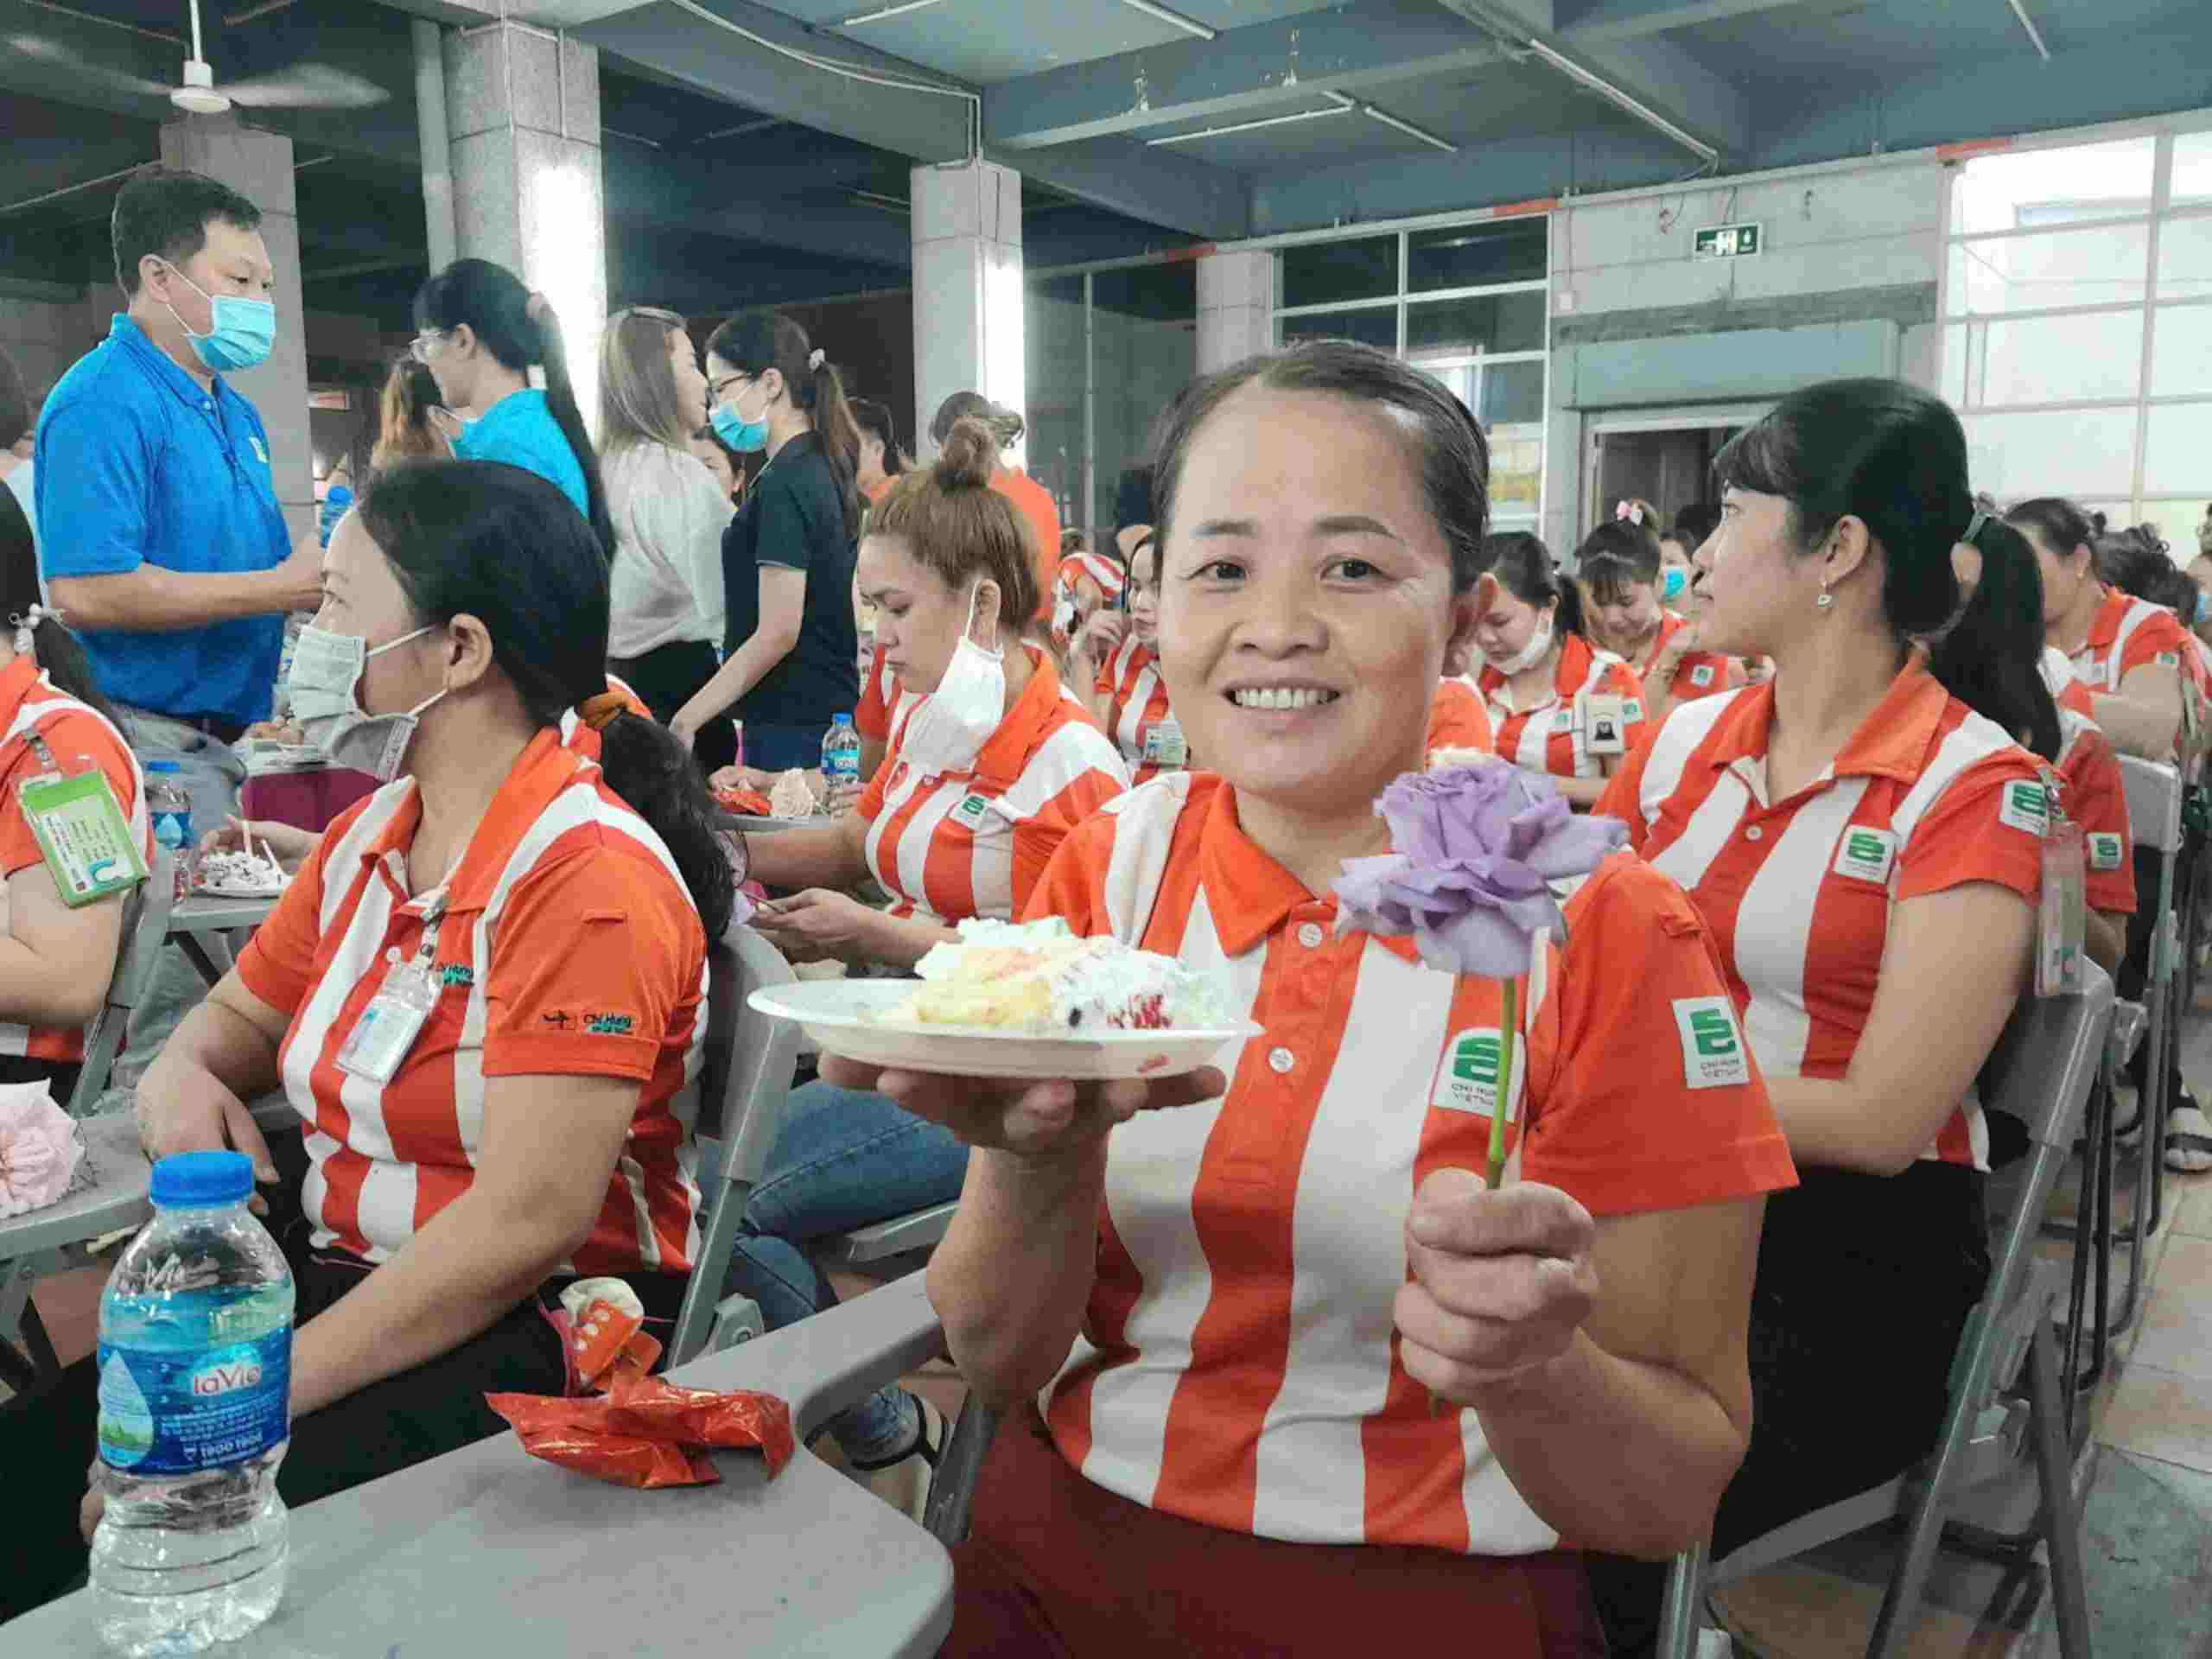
(669, 516)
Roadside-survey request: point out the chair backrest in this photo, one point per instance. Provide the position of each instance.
(763, 1053)
(2046, 1058)
(146, 911)
(2154, 795)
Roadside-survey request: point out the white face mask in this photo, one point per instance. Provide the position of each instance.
(950, 729)
(324, 692)
(1528, 657)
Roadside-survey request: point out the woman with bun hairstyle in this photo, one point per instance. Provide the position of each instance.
(1558, 704)
(1006, 427)
(481, 333)
(2128, 651)
(1622, 577)
(990, 766)
(790, 644)
(1862, 836)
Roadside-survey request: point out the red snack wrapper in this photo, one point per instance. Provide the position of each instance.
(750, 802)
(648, 1433)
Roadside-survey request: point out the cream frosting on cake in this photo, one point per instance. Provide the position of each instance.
(793, 796)
(240, 872)
(1038, 977)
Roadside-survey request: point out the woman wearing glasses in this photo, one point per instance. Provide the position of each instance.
(669, 514)
(479, 332)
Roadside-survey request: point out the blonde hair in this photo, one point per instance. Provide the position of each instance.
(960, 529)
(636, 387)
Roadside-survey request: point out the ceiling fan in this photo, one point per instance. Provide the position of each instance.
(304, 86)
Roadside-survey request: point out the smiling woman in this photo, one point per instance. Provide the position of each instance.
(1149, 1257)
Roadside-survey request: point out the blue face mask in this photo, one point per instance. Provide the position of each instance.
(747, 437)
(1674, 583)
(2204, 610)
(241, 332)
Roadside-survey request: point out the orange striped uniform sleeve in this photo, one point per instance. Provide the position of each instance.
(2096, 797)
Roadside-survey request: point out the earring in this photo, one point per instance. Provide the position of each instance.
(1826, 601)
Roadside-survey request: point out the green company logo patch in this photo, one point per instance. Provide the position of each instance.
(1867, 853)
(457, 973)
(971, 811)
(1467, 1081)
(1713, 1045)
(608, 1025)
(2026, 807)
(2106, 852)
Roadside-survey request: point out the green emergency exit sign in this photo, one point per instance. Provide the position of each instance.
(1727, 242)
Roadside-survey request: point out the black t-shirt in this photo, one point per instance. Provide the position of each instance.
(793, 516)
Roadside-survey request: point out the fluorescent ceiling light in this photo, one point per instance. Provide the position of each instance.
(1393, 122)
(2034, 34)
(882, 12)
(1619, 99)
(1173, 19)
(1252, 126)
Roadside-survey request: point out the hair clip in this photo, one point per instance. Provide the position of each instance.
(814, 360)
(1973, 526)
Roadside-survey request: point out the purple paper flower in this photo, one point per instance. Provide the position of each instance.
(1474, 849)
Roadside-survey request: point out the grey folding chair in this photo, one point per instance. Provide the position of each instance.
(51, 1240)
(2040, 1073)
(2154, 815)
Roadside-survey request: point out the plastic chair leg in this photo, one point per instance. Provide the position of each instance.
(1679, 1615)
(952, 1488)
(2061, 1524)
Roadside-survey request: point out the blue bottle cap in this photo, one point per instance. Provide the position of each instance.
(841, 720)
(164, 765)
(202, 1177)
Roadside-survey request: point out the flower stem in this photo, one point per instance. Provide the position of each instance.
(1507, 1028)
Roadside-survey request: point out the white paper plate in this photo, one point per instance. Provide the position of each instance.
(842, 1015)
(224, 890)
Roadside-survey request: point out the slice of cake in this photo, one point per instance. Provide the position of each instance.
(793, 796)
(1037, 977)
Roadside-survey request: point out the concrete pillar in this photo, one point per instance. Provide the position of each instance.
(522, 119)
(1236, 299)
(969, 303)
(258, 166)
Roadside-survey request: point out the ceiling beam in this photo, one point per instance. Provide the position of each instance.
(679, 46)
(1604, 20)
(1179, 193)
(1348, 48)
(1651, 71)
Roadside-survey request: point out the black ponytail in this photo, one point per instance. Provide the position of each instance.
(1894, 457)
(59, 654)
(1526, 567)
(521, 332)
(455, 533)
(1981, 659)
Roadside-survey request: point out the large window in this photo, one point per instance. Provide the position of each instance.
(1467, 302)
(2077, 325)
(1107, 349)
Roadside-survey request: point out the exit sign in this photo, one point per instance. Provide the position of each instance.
(1727, 242)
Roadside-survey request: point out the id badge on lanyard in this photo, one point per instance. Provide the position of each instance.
(384, 1034)
(2062, 911)
(1164, 746)
(82, 836)
(1604, 723)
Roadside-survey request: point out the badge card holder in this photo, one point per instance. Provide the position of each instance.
(385, 1033)
(1604, 723)
(81, 832)
(1164, 744)
(2062, 911)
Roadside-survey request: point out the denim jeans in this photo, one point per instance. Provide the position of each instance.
(844, 1159)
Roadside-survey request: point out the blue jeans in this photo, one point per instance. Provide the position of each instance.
(844, 1159)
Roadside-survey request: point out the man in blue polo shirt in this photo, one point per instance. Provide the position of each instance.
(162, 544)
(161, 540)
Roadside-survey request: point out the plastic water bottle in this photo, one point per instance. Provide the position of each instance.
(195, 1361)
(170, 808)
(841, 755)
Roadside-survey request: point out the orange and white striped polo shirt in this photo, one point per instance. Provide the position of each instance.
(1549, 736)
(1701, 673)
(2128, 633)
(883, 701)
(568, 947)
(79, 738)
(1137, 716)
(961, 844)
(2094, 794)
(1926, 796)
(1457, 719)
(1237, 1364)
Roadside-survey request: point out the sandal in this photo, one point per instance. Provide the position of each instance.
(2188, 1139)
(903, 1481)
